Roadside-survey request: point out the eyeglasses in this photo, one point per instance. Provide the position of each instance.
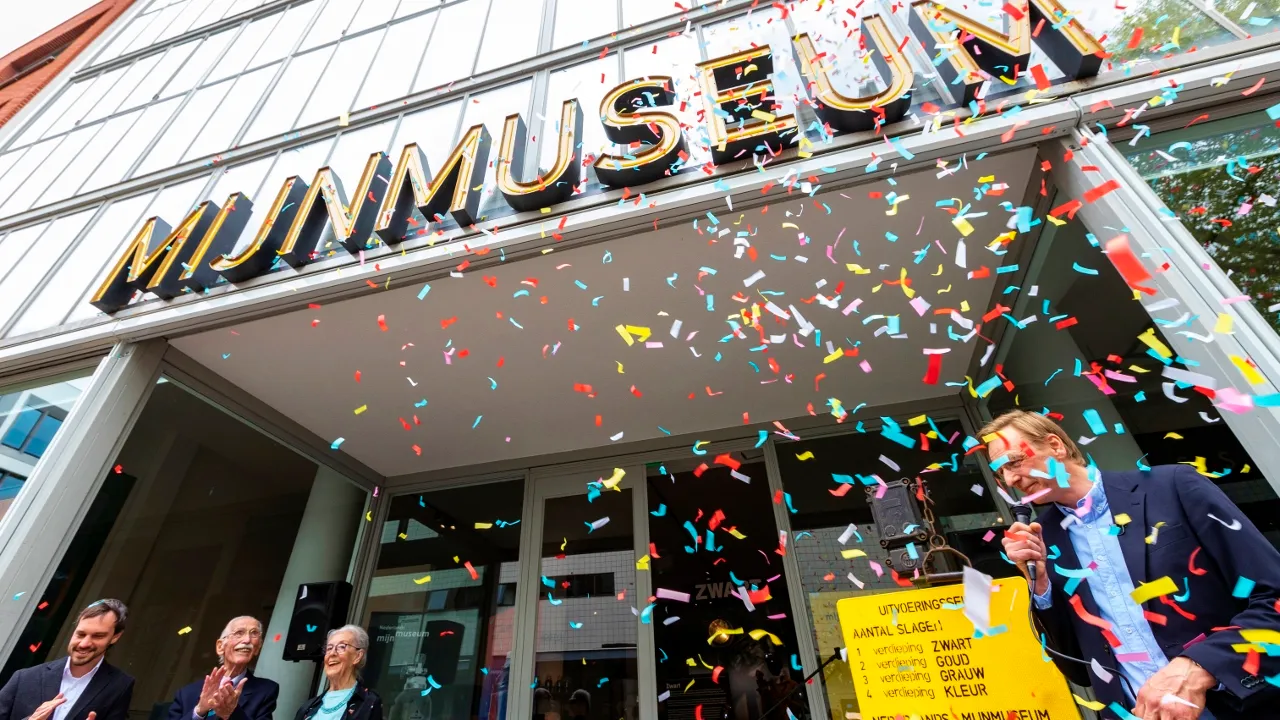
(1012, 464)
(254, 634)
(339, 648)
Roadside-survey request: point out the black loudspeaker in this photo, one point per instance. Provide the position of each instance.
(317, 609)
(442, 647)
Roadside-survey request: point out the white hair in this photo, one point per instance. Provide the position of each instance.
(227, 630)
(362, 639)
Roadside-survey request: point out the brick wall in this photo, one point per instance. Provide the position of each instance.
(27, 70)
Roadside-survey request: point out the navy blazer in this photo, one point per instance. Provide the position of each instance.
(1204, 558)
(257, 699)
(108, 693)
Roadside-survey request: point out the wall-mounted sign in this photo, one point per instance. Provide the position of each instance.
(915, 654)
(741, 116)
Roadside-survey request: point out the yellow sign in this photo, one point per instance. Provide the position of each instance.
(914, 654)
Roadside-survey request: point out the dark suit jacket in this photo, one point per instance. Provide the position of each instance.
(363, 705)
(1203, 557)
(108, 694)
(257, 699)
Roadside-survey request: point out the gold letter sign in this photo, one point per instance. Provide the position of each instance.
(736, 89)
(854, 114)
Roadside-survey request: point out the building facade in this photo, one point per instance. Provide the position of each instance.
(573, 333)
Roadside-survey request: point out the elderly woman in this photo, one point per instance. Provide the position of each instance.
(347, 698)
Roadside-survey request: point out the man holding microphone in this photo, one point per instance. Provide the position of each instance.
(1196, 647)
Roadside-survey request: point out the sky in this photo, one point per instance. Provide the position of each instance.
(29, 20)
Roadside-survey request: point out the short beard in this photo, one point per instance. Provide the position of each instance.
(92, 659)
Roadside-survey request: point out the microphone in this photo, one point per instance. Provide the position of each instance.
(1022, 514)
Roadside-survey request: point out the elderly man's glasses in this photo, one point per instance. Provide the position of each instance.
(254, 634)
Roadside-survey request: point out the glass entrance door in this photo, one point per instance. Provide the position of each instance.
(585, 621)
(725, 640)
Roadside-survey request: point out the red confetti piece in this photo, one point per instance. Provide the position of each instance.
(728, 461)
(1256, 86)
(1101, 191)
(1042, 80)
(474, 575)
(1135, 39)
(1128, 264)
(1191, 566)
(382, 323)
(357, 376)
(935, 370)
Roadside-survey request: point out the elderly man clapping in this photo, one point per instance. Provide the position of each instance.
(231, 691)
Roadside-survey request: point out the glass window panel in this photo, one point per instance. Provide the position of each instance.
(584, 83)
(213, 11)
(285, 34)
(232, 111)
(147, 87)
(1202, 185)
(371, 13)
(581, 20)
(200, 110)
(8, 160)
(241, 6)
(636, 12)
(16, 244)
(23, 168)
(40, 126)
(157, 27)
(50, 401)
(585, 633)
(458, 628)
(53, 166)
(118, 92)
(245, 179)
(332, 22)
(397, 61)
(1114, 27)
(26, 276)
(822, 519)
(70, 283)
(411, 7)
(342, 78)
(1256, 17)
(291, 93)
(112, 161)
(127, 35)
(433, 129)
(190, 73)
(183, 22)
(453, 44)
(101, 85)
(754, 671)
(242, 50)
(511, 33)
(301, 161)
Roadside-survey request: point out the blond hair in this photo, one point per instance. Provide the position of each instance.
(1035, 427)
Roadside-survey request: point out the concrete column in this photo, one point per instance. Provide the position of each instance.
(321, 553)
(39, 526)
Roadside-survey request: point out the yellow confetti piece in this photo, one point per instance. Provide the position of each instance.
(564, 541)
(791, 225)
(1250, 373)
(1243, 648)
(344, 119)
(762, 115)
(987, 178)
(1138, 369)
(1223, 325)
(1154, 589)
(185, 630)
(963, 225)
(1177, 33)
(545, 210)
(620, 370)
(1155, 533)
(1172, 435)
(839, 353)
(483, 526)
(858, 269)
(422, 580)
(614, 479)
(1091, 704)
(643, 563)
(918, 420)
(757, 634)
(899, 199)
(1123, 519)
(852, 553)
(691, 682)
(1244, 469)
(361, 409)
(641, 333)
(749, 69)
(1150, 340)
(368, 516)
(902, 281)
(1261, 635)
(403, 536)
(806, 455)
(734, 532)
(691, 663)
(964, 306)
(1057, 222)
(622, 330)
(939, 270)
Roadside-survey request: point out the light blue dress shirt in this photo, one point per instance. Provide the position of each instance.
(1095, 542)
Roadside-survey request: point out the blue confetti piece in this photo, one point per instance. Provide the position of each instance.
(764, 435)
(423, 292)
(1244, 586)
(1083, 270)
(475, 424)
(337, 443)
(1096, 426)
(662, 510)
(421, 403)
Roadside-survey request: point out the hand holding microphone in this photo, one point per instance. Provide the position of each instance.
(1026, 548)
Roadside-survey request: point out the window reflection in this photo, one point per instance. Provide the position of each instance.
(585, 661)
(49, 249)
(1215, 178)
(29, 420)
(441, 609)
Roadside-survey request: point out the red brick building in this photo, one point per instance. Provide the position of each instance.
(27, 70)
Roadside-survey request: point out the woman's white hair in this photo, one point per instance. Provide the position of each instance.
(362, 640)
